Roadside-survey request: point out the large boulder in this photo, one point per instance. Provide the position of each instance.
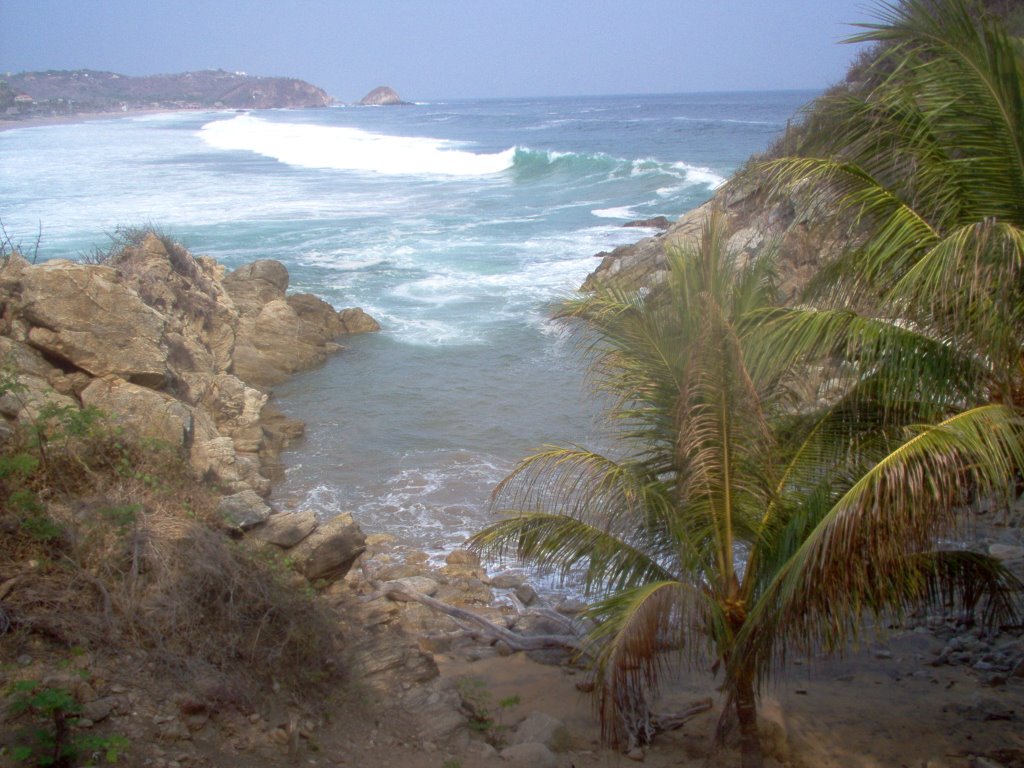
(331, 550)
(88, 318)
(236, 409)
(529, 755)
(354, 320)
(274, 344)
(319, 318)
(171, 345)
(187, 291)
(287, 529)
(242, 511)
(33, 383)
(542, 728)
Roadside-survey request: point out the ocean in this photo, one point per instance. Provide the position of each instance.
(457, 224)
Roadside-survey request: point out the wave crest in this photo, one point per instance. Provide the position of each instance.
(351, 149)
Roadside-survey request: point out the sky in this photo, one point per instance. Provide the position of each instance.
(430, 49)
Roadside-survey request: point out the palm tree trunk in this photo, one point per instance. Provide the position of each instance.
(746, 714)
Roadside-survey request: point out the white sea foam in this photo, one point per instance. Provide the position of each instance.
(621, 212)
(351, 149)
(697, 174)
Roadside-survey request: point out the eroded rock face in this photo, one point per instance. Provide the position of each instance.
(149, 413)
(170, 346)
(754, 225)
(87, 317)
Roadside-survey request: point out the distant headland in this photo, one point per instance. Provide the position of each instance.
(57, 93)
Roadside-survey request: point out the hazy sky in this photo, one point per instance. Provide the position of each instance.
(448, 48)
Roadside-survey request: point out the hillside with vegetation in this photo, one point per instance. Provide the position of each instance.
(60, 92)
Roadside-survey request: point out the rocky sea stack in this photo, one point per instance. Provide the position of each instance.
(380, 97)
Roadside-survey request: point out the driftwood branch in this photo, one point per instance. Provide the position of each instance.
(479, 625)
(571, 626)
(671, 721)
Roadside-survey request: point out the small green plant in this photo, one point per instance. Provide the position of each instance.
(49, 739)
(483, 717)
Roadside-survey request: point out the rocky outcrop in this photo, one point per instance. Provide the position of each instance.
(755, 224)
(173, 348)
(381, 96)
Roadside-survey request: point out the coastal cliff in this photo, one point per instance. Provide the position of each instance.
(754, 223)
(180, 349)
(54, 93)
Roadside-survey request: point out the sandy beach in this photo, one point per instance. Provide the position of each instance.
(6, 124)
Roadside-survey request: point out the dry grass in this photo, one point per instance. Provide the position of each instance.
(113, 546)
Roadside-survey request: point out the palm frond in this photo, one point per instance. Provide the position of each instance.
(968, 77)
(601, 560)
(863, 555)
(639, 632)
(888, 364)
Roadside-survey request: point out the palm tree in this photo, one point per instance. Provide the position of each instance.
(731, 526)
(739, 524)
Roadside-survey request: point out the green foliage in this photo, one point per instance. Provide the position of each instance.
(483, 716)
(122, 516)
(50, 739)
(734, 522)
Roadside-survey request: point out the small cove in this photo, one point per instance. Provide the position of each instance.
(459, 231)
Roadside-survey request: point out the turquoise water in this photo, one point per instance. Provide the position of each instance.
(456, 224)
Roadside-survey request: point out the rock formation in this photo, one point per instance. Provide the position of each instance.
(755, 224)
(175, 348)
(381, 96)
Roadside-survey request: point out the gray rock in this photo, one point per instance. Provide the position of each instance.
(571, 607)
(506, 580)
(287, 529)
(331, 550)
(417, 585)
(527, 595)
(541, 728)
(244, 510)
(99, 709)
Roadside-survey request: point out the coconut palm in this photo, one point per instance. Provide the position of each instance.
(929, 167)
(732, 525)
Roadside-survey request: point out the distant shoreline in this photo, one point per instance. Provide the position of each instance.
(81, 117)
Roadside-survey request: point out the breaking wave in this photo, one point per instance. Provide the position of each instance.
(351, 149)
